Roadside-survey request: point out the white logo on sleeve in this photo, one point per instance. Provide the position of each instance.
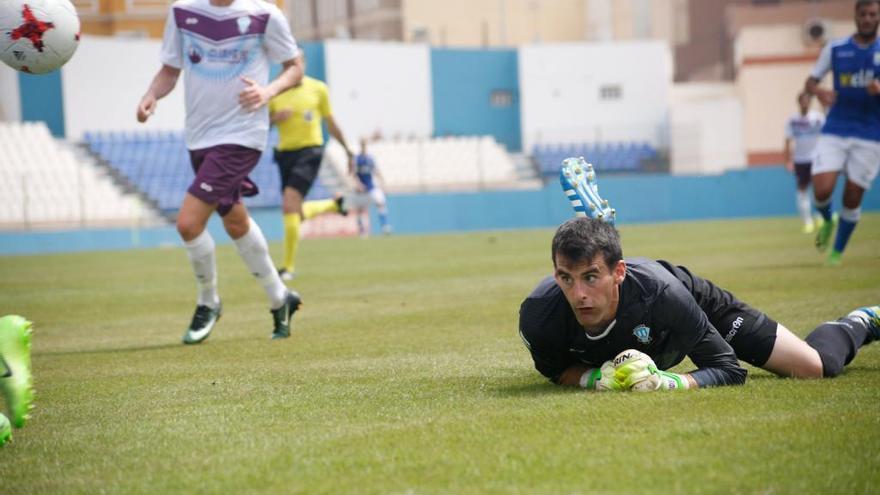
(192, 20)
(206, 187)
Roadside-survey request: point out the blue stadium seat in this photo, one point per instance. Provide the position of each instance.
(622, 156)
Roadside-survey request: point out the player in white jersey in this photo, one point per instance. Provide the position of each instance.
(224, 48)
(803, 129)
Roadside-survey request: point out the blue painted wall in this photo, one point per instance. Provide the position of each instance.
(641, 199)
(41, 99)
(314, 59)
(462, 83)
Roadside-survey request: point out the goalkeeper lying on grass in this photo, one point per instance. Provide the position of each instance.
(603, 322)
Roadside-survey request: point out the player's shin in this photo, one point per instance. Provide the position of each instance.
(837, 342)
(254, 251)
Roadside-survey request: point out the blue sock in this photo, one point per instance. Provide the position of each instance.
(844, 230)
(383, 219)
(825, 211)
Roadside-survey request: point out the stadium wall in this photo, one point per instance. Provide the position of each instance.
(643, 199)
(380, 87)
(588, 92)
(41, 99)
(476, 92)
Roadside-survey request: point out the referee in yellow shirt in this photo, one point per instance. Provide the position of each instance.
(298, 113)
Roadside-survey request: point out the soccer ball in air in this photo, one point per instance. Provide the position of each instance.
(37, 36)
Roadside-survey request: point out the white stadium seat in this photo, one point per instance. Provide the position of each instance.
(44, 183)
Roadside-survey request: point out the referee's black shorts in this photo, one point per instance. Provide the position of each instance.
(299, 168)
(751, 333)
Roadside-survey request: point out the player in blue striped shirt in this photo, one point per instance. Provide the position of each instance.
(850, 140)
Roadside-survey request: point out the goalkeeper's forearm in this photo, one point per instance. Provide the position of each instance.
(719, 376)
(572, 376)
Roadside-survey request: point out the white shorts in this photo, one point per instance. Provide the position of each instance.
(859, 159)
(362, 200)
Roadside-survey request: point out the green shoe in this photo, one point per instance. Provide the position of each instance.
(823, 234)
(281, 317)
(15, 367)
(834, 258)
(202, 323)
(5, 430)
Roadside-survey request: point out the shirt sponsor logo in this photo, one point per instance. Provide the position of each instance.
(195, 54)
(844, 54)
(859, 79)
(643, 334)
(734, 328)
(191, 20)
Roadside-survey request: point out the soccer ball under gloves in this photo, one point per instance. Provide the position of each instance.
(632, 370)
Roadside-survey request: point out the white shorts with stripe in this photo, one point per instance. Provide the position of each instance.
(858, 158)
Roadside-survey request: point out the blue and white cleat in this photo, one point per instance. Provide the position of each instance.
(871, 316)
(578, 180)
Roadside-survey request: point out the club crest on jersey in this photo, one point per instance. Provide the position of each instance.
(244, 23)
(643, 334)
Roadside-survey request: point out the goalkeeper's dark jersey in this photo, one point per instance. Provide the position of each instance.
(662, 312)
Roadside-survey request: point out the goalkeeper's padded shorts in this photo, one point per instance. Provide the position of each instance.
(751, 333)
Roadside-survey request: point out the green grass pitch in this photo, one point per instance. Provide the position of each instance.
(405, 374)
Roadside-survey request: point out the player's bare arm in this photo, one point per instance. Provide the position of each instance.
(279, 116)
(162, 84)
(254, 96)
(825, 96)
(874, 88)
(334, 131)
(379, 177)
(786, 155)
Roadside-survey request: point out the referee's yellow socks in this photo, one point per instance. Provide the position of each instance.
(311, 209)
(291, 239)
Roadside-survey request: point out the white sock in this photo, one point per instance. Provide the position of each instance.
(851, 215)
(254, 250)
(204, 263)
(803, 205)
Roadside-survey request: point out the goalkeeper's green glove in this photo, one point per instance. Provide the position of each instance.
(601, 379)
(635, 370)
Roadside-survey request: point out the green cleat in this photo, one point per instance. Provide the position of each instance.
(281, 317)
(824, 232)
(202, 323)
(834, 258)
(15, 367)
(5, 430)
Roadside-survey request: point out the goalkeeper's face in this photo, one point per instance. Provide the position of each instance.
(592, 289)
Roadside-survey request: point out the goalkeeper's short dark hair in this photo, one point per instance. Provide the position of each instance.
(582, 239)
(860, 3)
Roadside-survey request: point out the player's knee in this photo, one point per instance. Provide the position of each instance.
(236, 228)
(188, 228)
(811, 368)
